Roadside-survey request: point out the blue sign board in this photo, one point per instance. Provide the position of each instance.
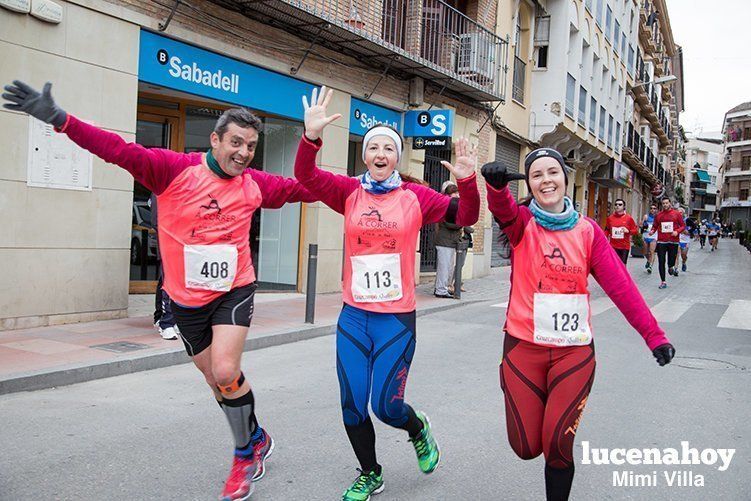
(169, 63)
(433, 123)
(364, 115)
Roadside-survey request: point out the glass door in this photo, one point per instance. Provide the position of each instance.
(279, 235)
(152, 131)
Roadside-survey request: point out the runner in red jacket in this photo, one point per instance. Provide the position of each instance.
(620, 227)
(668, 225)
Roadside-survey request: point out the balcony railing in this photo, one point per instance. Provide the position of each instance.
(426, 38)
(520, 68)
(644, 154)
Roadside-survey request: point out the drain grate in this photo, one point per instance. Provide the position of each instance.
(703, 364)
(120, 347)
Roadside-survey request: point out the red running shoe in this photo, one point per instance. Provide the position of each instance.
(262, 450)
(239, 484)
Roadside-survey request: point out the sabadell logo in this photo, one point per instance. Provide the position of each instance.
(368, 121)
(194, 73)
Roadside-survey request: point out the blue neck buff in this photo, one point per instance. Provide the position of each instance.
(380, 187)
(555, 222)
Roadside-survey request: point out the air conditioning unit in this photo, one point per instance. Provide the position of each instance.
(476, 56)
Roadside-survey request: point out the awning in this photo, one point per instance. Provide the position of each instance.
(702, 176)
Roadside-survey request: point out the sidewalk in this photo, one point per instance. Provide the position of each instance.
(45, 357)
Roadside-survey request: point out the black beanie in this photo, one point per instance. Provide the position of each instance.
(544, 152)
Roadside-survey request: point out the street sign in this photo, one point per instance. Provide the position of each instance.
(430, 142)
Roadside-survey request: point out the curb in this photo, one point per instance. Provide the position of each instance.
(73, 374)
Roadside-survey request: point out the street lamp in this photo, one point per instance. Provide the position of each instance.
(661, 80)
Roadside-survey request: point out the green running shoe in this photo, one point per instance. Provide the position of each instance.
(428, 454)
(365, 485)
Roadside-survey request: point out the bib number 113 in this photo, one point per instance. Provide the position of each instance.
(377, 277)
(565, 322)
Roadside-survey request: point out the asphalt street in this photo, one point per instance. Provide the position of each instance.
(159, 435)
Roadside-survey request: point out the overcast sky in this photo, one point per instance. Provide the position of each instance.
(716, 58)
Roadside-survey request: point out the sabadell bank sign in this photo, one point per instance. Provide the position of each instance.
(194, 73)
(176, 65)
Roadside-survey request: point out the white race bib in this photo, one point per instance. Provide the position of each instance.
(666, 227)
(376, 278)
(562, 319)
(210, 267)
(618, 233)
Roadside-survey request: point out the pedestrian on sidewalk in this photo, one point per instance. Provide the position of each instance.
(548, 361)
(650, 241)
(467, 242)
(668, 225)
(209, 278)
(619, 228)
(164, 320)
(375, 337)
(447, 237)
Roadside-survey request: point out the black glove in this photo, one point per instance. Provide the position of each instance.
(496, 176)
(664, 353)
(40, 106)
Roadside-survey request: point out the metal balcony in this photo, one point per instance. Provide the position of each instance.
(639, 156)
(425, 38)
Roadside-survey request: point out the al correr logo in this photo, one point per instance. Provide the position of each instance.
(194, 73)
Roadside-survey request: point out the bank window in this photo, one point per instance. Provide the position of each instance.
(601, 135)
(746, 162)
(199, 124)
(570, 95)
(610, 131)
(592, 115)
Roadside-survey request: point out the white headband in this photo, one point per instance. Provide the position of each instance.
(382, 131)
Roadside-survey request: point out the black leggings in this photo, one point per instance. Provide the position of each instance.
(623, 254)
(672, 252)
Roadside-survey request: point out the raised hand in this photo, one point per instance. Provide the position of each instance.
(466, 160)
(39, 105)
(495, 175)
(315, 113)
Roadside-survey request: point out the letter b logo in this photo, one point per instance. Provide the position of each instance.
(162, 56)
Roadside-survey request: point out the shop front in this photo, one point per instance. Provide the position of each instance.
(183, 89)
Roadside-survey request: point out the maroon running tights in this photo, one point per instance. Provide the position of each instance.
(545, 392)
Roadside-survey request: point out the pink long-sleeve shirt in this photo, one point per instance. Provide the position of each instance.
(381, 230)
(334, 189)
(198, 210)
(602, 262)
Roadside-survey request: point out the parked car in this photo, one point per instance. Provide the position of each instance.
(142, 221)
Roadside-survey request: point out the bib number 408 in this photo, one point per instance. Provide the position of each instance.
(565, 322)
(214, 269)
(377, 277)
